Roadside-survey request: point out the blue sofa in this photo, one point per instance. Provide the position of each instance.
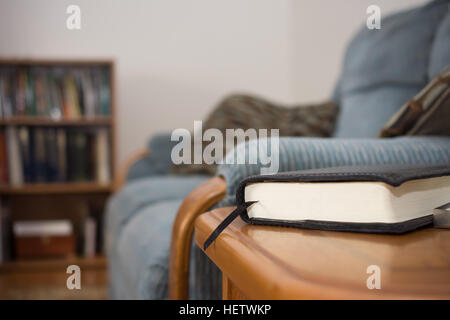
(382, 69)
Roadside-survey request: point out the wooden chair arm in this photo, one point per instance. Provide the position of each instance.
(197, 202)
(123, 170)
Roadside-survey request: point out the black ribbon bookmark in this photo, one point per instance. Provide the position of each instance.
(226, 222)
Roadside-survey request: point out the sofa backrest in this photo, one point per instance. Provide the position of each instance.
(384, 68)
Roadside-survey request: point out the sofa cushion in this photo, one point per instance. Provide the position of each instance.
(141, 257)
(440, 51)
(140, 193)
(158, 161)
(384, 68)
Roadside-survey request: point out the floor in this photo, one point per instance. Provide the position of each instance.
(46, 279)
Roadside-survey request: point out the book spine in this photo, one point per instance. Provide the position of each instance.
(3, 157)
(90, 237)
(2, 244)
(61, 143)
(105, 94)
(51, 156)
(5, 233)
(40, 155)
(82, 162)
(20, 92)
(24, 140)
(15, 169)
(30, 103)
(103, 168)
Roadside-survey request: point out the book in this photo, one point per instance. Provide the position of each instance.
(39, 157)
(104, 94)
(19, 105)
(25, 148)
(51, 148)
(71, 100)
(90, 237)
(102, 167)
(15, 170)
(30, 102)
(61, 146)
(40, 91)
(2, 253)
(374, 199)
(89, 94)
(3, 158)
(54, 94)
(5, 233)
(77, 156)
(6, 92)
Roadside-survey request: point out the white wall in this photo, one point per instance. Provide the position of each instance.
(176, 59)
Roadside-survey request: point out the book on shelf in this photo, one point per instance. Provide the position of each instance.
(90, 237)
(61, 147)
(5, 233)
(14, 158)
(45, 155)
(391, 199)
(57, 92)
(102, 154)
(2, 253)
(3, 158)
(77, 145)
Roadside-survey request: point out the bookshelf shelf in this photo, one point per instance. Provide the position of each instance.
(55, 188)
(45, 121)
(50, 265)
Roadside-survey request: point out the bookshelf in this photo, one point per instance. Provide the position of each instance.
(57, 140)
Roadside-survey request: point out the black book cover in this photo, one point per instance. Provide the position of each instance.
(52, 155)
(24, 142)
(32, 154)
(78, 163)
(70, 151)
(40, 162)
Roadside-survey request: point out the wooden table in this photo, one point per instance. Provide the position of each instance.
(263, 262)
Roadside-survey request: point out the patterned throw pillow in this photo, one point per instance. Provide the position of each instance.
(245, 112)
(428, 113)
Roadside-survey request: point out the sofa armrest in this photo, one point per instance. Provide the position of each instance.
(154, 160)
(127, 165)
(197, 202)
(309, 153)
